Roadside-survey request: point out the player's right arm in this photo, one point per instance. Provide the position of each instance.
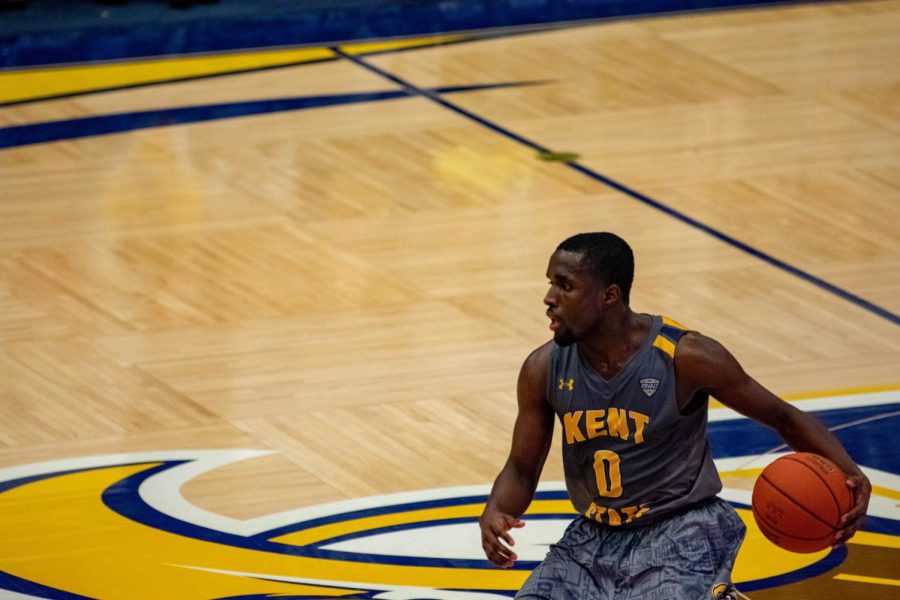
(514, 488)
(703, 363)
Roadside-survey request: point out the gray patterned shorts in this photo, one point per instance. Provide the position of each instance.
(688, 556)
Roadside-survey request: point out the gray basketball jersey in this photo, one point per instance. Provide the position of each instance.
(630, 456)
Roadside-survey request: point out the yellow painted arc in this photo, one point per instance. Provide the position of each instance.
(58, 532)
(550, 507)
(877, 490)
(47, 82)
(870, 389)
(886, 492)
(873, 389)
(867, 538)
(749, 567)
(332, 530)
(740, 473)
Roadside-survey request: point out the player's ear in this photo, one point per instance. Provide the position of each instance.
(612, 294)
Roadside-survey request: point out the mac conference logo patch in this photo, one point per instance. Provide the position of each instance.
(649, 385)
(118, 526)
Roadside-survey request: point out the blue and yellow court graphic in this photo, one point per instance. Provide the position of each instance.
(117, 526)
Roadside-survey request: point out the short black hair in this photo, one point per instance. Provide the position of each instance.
(606, 256)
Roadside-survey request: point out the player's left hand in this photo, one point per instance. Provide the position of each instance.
(861, 489)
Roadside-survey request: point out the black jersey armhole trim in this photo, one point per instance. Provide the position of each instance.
(698, 402)
(700, 398)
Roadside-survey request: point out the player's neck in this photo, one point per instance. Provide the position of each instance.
(619, 338)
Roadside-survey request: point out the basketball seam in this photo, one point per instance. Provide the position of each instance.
(837, 503)
(766, 524)
(806, 510)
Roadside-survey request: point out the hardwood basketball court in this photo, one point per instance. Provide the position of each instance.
(341, 262)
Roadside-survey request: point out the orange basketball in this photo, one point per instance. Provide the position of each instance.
(798, 501)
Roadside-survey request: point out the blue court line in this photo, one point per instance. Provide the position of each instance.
(68, 129)
(672, 212)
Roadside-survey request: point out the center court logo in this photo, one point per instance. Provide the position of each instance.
(118, 526)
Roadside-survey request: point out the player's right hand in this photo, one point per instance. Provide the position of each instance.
(861, 489)
(495, 538)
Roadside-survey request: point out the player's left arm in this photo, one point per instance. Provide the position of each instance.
(703, 364)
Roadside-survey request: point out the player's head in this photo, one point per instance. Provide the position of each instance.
(590, 279)
(606, 257)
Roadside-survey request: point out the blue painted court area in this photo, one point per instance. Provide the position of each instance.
(60, 31)
(867, 431)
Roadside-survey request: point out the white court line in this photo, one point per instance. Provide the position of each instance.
(828, 403)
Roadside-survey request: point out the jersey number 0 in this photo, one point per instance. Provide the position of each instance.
(606, 469)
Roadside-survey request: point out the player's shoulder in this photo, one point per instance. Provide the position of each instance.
(684, 343)
(702, 359)
(538, 361)
(539, 358)
(695, 345)
(533, 378)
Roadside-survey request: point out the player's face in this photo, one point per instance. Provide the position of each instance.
(573, 298)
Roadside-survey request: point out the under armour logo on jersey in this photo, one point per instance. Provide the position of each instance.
(649, 385)
(570, 384)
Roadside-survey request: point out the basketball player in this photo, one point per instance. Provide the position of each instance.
(630, 391)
